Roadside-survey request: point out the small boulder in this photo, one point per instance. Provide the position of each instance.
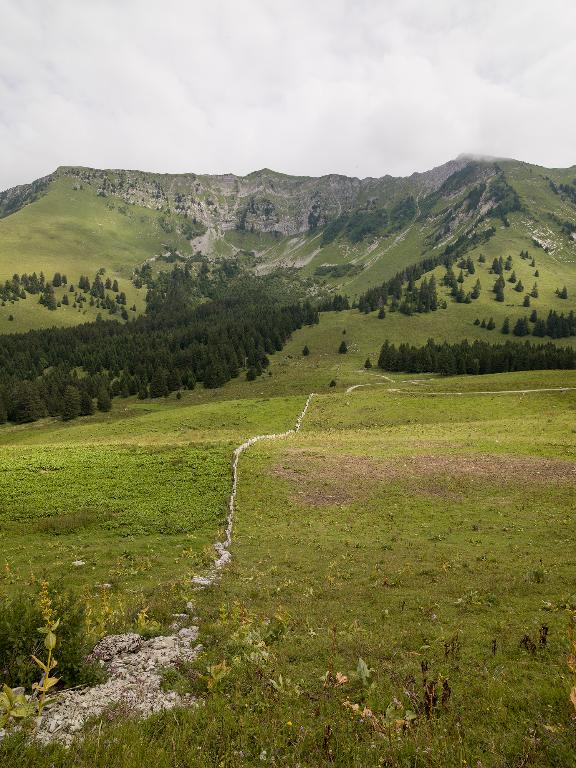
(112, 646)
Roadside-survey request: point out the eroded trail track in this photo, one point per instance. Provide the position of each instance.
(133, 664)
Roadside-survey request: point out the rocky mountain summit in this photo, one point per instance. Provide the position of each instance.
(263, 201)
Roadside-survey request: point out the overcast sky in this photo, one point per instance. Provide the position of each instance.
(361, 87)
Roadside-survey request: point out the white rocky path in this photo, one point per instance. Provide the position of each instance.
(133, 664)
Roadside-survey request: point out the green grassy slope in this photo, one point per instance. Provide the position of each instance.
(72, 229)
(398, 527)
(76, 232)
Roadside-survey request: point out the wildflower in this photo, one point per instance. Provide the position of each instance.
(45, 604)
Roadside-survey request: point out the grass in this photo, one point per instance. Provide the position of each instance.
(137, 495)
(414, 531)
(75, 232)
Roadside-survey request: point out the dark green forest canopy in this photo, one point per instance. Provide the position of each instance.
(480, 357)
(154, 354)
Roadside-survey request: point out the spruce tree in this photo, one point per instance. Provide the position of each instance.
(70, 403)
(343, 348)
(305, 351)
(103, 401)
(158, 385)
(86, 403)
(368, 363)
(506, 325)
(521, 327)
(27, 405)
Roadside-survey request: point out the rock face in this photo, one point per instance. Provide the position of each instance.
(263, 201)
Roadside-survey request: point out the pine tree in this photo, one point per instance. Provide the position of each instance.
(27, 405)
(173, 380)
(534, 291)
(343, 348)
(332, 383)
(70, 403)
(526, 302)
(506, 325)
(563, 294)
(158, 385)
(368, 363)
(103, 401)
(513, 278)
(499, 288)
(3, 411)
(86, 403)
(519, 286)
(533, 316)
(491, 324)
(305, 351)
(142, 391)
(476, 290)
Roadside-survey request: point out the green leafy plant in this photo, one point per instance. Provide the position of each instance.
(363, 672)
(14, 707)
(49, 631)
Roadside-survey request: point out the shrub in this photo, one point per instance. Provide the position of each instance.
(20, 618)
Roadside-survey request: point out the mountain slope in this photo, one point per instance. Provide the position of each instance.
(347, 234)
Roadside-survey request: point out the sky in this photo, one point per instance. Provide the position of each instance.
(308, 87)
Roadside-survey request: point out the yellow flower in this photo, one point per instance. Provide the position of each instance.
(289, 723)
(45, 604)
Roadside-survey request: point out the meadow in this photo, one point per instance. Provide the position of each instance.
(402, 576)
(137, 495)
(76, 232)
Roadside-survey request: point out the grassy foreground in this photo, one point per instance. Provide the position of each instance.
(428, 535)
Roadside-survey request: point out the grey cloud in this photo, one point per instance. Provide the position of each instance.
(308, 86)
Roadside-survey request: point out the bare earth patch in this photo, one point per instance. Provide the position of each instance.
(325, 480)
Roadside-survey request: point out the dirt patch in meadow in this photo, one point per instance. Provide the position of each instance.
(325, 480)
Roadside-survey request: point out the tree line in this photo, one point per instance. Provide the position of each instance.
(478, 357)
